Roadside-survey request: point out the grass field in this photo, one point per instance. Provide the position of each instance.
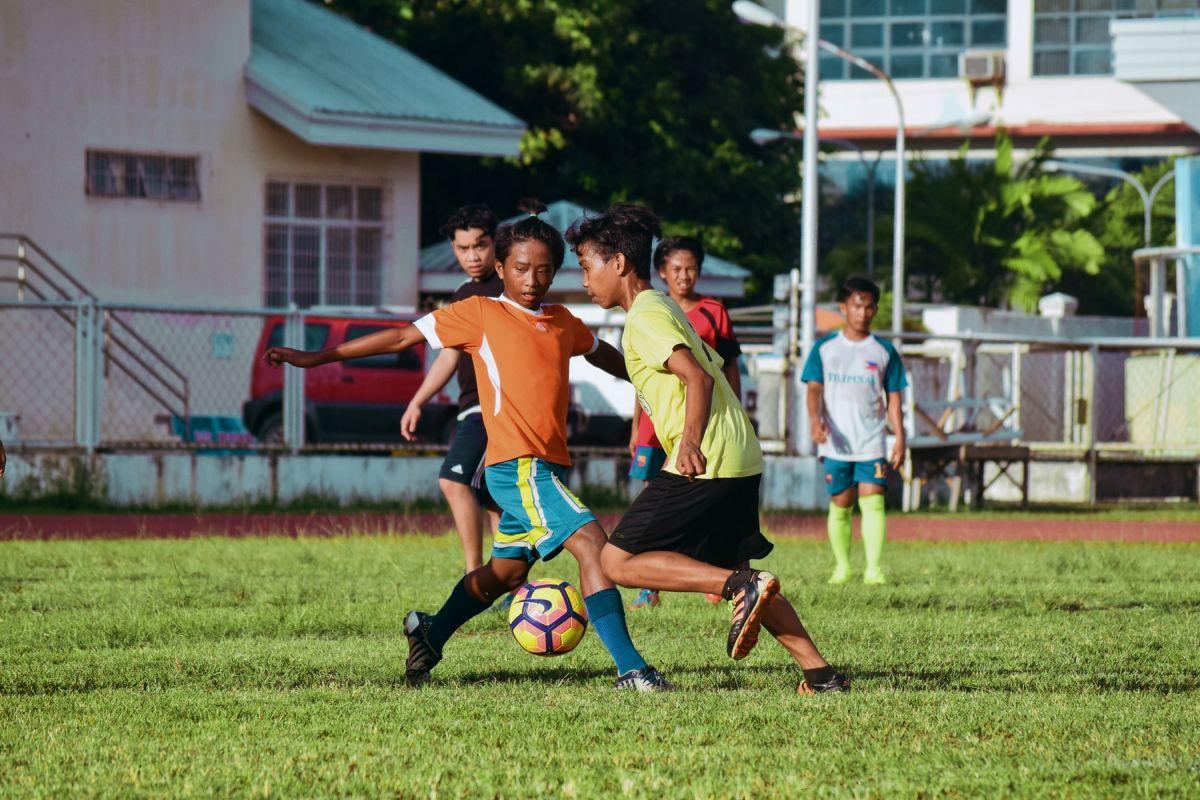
(275, 667)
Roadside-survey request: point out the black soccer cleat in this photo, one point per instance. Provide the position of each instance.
(422, 655)
(646, 679)
(838, 683)
(750, 601)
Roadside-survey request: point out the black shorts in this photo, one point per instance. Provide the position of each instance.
(464, 459)
(714, 520)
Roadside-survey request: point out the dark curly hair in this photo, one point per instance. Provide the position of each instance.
(625, 228)
(854, 284)
(476, 215)
(688, 244)
(530, 229)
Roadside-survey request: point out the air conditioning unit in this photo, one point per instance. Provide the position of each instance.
(983, 66)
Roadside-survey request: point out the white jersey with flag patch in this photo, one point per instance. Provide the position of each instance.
(856, 378)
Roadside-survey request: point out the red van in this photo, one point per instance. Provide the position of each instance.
(360, 400)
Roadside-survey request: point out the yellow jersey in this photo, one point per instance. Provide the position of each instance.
(655, 326)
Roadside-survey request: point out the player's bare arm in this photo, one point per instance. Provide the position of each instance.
(392, 340)
(697, 406)
(895, 413)
(440, 372)
(815, 398)
(607, 358)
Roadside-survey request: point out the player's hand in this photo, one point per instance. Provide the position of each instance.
(286, 355)
(820, 432)
(633, 446)
(408, 422)
(689, 460)
(898, 448)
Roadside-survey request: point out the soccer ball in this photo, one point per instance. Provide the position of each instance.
(547, 617)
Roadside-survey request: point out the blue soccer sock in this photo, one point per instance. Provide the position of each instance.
(460, 606)
(607, 615)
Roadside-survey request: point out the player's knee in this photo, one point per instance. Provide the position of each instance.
(453, 489)
(612, 562)
(512, 574)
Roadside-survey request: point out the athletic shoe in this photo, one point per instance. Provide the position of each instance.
(840, 575)
(715, 599)
(874, 577)
(422, 656)
(750, 601)
(838, 683)
(646, 679)
(647, 598)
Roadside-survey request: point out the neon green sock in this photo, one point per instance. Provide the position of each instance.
(839, 538)
(874, 528)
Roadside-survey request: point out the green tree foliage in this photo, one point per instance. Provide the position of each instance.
(641, 100)
(999, 233)
(1118, 223)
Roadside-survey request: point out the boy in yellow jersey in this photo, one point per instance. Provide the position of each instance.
(520, 348)
(695, 527)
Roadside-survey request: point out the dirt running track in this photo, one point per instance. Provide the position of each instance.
(900, 527)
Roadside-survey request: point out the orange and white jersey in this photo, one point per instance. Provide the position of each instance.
(524, 355)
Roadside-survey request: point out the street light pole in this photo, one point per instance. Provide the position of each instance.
(1054, 165)
(763, 136)
(898, 278)
(1158, 268)
(755, 14)
(868, 168)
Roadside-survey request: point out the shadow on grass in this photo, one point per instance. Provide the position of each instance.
(705, 677)
(1019, 680)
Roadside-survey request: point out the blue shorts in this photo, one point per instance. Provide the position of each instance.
(841, 475)
(647, 462)
(539, 512)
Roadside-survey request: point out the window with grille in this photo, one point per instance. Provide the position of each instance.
(143, 176)
(1070, 37)
(323, 244)
(910, 38)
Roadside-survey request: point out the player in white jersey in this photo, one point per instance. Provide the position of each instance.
(855, 380)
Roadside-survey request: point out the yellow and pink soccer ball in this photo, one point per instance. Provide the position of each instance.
(547, 617)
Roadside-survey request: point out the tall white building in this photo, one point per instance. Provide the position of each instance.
(1053, 67)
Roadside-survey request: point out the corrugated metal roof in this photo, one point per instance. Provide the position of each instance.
(329, 65)
(440, 257)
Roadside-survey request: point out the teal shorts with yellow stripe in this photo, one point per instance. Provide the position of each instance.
(539, 512)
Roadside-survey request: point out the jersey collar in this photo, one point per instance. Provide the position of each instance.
(537, 312)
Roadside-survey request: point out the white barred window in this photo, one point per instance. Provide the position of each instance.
(323, 244)
(142, 176)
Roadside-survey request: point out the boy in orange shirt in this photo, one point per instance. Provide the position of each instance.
(523, 348)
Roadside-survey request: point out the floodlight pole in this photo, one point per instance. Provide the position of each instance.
(1054, 165)
(898, 278)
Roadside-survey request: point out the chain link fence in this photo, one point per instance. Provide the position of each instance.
(122, 376)
(37, 373)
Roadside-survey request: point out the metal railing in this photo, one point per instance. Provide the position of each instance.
(37, 277)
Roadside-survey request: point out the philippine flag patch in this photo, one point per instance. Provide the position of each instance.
(872, 366)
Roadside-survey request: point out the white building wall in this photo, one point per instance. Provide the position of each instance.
(1026, 101)
(161, 76)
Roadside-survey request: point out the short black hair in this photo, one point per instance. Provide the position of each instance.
(689, 244)
(857, 283)
(475, 215)
(530, 229)
(625, 228)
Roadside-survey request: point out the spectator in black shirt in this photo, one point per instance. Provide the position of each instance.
(471, 231)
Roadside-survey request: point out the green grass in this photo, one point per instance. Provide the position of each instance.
(275, 666)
